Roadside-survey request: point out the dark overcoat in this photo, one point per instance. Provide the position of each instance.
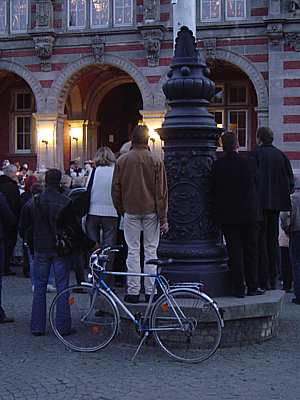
(275, 178)
(234, 188)
(7, 222)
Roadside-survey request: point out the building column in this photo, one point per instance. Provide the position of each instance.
(91, 139)
(154, 119)
(49, 141)
(184, 14)
(78, 139)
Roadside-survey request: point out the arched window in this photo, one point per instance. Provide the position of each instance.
(3, 12)
(18, 16)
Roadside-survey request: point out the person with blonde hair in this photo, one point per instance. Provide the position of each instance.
(102, 218)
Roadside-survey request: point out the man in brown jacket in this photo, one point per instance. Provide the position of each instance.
(139, 191)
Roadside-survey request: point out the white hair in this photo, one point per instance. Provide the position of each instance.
(9, 169)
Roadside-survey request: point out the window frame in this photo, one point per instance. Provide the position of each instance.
(22, 115)
(5, 18)
(77, 27)
(108, 25)
(211, 19)
(237, 85)
(235, 18)
(11, 17)
(114, 14)
(246, 111)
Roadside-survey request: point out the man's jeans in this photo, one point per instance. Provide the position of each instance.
(2, 261)
(51, 279)
(133, 225)
(295, 259)
(41, 270)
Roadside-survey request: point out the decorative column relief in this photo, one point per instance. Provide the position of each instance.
(293, 40)
(210, 50)
(152, 39)
(275, 33)
(98, 48)
(43, 46)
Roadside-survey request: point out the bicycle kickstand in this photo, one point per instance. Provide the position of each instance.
(140, 345)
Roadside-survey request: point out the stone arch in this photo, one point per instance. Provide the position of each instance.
(246, 66)
(60, 88)
(29, 79)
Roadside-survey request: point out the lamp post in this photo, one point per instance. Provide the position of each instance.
(190, 137)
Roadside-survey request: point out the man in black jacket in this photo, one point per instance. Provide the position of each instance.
(42, 214)
(276, 183)
(236, 211)
(9, 187)
(7, 221)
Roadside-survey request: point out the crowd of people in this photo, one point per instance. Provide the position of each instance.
(254, 196)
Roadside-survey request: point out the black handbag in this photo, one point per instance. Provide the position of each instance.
(64, 241)
(81, 199)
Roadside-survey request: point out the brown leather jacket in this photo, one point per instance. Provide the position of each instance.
(139, 184)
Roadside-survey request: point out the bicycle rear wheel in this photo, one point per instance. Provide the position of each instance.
(187, 325)
(84, 318)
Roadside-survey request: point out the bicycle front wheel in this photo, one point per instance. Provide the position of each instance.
(186, 325)
(84, 318)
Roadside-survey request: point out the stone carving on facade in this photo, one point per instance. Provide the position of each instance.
(43, 46)
(210, 46)
(294, 6)
(152, 40)
(275, 33)
(98, 48)
(150, 10)
(44, 14)
(293, 40)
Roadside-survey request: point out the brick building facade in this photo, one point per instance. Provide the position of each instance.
(75, 74)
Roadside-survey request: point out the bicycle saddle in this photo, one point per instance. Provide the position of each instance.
(160, 262)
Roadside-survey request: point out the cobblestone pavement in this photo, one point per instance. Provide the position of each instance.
(42, 368)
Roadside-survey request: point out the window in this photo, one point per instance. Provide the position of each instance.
(210, 10)
(235, 9)
(18, 16)
(99, 13)
(2, 16)
(102, 13)
(218, 10)
(23, 107)
(77, 13)
(23, 134)
(237, 122)
(123, 12)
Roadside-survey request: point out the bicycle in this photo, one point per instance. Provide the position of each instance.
(185, 322)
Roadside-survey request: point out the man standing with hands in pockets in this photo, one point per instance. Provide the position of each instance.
(139, 191)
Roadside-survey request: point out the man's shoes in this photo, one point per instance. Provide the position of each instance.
(296, 300)
(257, 292)
(38, 333)
(132, 298)
(6, 320)
(155, 297)
(10, 273)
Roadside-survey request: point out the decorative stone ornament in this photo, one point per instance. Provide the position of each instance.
(151, 8)
(293, 40)
(210, 46)
(98, 48)
(275, 33)
(43, 46)
(190, 136)
(152, 39)
(44, 15)
(295, 6)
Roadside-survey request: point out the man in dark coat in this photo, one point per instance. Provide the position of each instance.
(9, 187)
(7, 221)
(236, 211)
(276, 183)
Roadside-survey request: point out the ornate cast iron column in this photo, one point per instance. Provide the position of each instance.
(190, 135)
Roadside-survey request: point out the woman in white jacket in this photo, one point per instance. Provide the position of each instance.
(102, 218)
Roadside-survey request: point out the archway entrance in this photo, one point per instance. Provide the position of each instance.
(102, 108)
(235, 103)
(17, 130)
(118, 115)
